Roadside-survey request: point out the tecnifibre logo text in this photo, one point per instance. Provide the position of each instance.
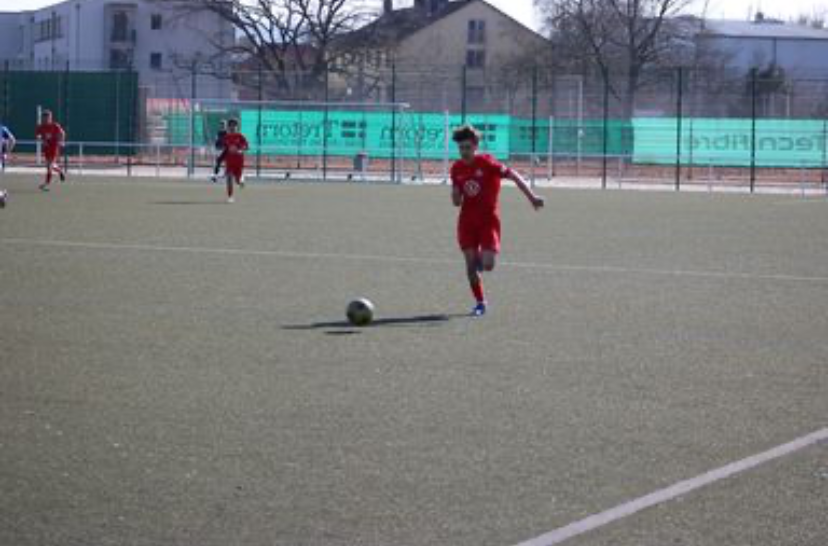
(741, 142)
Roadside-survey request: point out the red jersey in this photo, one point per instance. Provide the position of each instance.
(51, 134)
(235, 145)
(479, 184)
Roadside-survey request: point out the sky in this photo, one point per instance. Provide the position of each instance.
(523, 10)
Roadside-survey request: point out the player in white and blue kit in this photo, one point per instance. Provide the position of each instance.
(7, 142)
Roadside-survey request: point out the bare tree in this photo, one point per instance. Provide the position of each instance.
(291, 40)
(818, 18)
(619, 37)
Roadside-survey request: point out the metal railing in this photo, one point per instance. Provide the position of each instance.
(282, 163)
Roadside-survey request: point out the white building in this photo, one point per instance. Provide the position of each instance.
(800, 50)
(436, 44)
(156, 38)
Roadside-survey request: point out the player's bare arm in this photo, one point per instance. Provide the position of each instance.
(534, 199)
(456, 196)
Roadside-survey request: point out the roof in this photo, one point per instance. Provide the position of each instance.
(392, 28)
(768, 30)
(398, 25)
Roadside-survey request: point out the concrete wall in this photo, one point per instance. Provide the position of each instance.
(10, 34)
(81, 42)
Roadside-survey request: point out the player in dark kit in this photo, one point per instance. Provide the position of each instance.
(476, 181)
(221, 149)
(235, 145)
(51, 135)
(7, 142)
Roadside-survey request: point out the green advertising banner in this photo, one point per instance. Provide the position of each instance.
(420, 135)
(729, 142)
(414, 135)
(300, 132)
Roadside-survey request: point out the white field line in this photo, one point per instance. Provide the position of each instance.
(692, 273)
(634, 506)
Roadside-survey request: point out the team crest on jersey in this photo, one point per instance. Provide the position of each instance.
(471, 188)
(479, 173)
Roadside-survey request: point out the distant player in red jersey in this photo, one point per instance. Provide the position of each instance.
(234, 146)
(51, 135)
(476, 180)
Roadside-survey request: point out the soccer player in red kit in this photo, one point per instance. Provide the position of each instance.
(476, 180)
(234, 145)
(51, 135)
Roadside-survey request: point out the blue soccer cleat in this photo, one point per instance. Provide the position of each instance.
(479, 310)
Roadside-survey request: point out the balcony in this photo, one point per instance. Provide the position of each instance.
(120, 25)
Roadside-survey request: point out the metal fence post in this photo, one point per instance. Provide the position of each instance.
(534, 121)
(38, 142)
(551, 147)
(132, 117)
(259, 126)
(325, 122)
(446, 145)
(118, 117)
(753, 113)
(394, 122)
(579, 136)
(825, 154)
(64, 110)
(679, 120)
(605, 144)
(193, 92)
(463, 98)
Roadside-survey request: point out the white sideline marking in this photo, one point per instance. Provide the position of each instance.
(734, 275)
(803, 201)
(669, 493)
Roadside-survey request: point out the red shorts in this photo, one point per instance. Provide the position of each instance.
(51, 155)
(479, 233)
(234, 167)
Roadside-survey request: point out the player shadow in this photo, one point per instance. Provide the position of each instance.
(345, 328)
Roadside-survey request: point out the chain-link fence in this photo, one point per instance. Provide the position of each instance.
(671, 126)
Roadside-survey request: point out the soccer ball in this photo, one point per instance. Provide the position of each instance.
(4, 198)
(360, 312)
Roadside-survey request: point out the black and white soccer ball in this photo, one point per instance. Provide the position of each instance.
(360, 312)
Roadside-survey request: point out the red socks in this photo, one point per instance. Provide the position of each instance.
(477, 290)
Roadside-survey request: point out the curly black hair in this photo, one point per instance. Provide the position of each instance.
(466, 133)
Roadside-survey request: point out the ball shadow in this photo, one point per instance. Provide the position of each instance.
(346, 328)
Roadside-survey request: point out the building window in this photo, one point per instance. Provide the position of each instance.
(156, 21)
(477, 31)
(475, 59)
(49, 29)
(120, 27)
(156, 61)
